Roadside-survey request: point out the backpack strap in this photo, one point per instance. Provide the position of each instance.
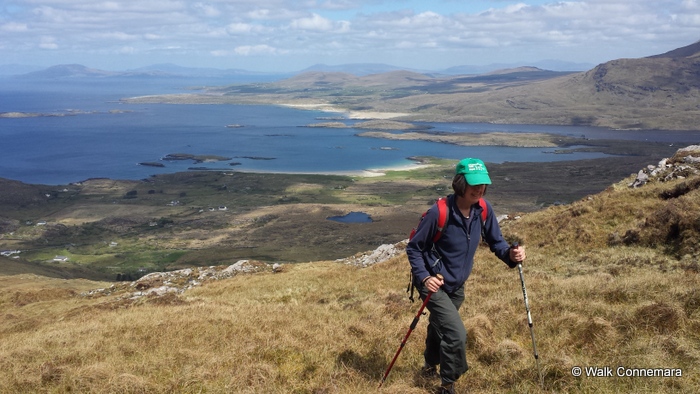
(484, 215)
(484, 210)
(443, 212)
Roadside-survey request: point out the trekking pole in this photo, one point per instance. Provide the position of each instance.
(410, 329)
(529, 320)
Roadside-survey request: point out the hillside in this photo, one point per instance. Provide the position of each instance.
(657, 92)
(612, 281)
(651, 93)
(688, 51)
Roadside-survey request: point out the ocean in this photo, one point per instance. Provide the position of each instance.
(97, 136)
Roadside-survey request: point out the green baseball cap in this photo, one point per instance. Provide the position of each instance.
(474, 171)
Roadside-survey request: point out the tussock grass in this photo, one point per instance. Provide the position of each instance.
(599, 296)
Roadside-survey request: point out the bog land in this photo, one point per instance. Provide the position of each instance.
(118, 228)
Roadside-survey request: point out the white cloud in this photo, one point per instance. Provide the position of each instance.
(272, 14)
(315, 22)
(118, 35)
(127, 50)
(14, 27)
(206, 10)
(243, 28)
(250, 50)
(262, 13)
(338, 4)
(48, 43)
(368, 31)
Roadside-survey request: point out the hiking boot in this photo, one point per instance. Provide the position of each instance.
(447, 388)
(429, 371)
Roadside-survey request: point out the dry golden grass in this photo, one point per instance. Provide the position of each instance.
(598, 299)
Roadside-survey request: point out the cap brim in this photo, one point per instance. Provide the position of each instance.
(477, 179)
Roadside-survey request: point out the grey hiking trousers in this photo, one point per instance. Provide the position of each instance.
(446, 341)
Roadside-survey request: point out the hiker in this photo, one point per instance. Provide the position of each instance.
(452, 256)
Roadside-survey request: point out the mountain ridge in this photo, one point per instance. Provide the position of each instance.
(692, 50)
(170, 69)
(652, 93)
(647, 93)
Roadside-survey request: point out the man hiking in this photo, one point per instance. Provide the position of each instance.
(451, 254)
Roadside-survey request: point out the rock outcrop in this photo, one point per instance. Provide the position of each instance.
(685, 162)
(177, 282)
(381, 254)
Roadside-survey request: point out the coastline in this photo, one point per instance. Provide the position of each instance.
(365, 173)
(356, 115)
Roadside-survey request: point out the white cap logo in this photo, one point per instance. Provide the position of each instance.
(476, 167)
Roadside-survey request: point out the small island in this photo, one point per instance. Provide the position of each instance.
(255, 157)
(70, 112)
(21, 115)
(522, 140)
(329, 125)
(195, 158)
(152, 164)
(377, 124)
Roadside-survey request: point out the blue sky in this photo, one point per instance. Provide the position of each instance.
(279, 35)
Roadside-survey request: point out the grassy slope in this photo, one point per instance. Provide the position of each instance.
(609, 285)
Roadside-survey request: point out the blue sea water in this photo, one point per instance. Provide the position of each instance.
(99, 136)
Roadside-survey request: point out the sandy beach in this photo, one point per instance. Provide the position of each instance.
(370, 172)
(358, 115)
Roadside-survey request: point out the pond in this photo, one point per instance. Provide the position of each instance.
(352, 217)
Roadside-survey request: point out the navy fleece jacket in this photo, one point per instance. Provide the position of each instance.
(453, 254)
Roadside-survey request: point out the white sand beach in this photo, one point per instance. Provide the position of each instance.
(358, 115)
(370, 172)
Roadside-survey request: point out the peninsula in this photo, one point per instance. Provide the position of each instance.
(653, 93)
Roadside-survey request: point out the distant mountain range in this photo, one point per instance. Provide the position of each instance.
(174, 69)
(67, 71)
(64, 71)
(657, 92)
